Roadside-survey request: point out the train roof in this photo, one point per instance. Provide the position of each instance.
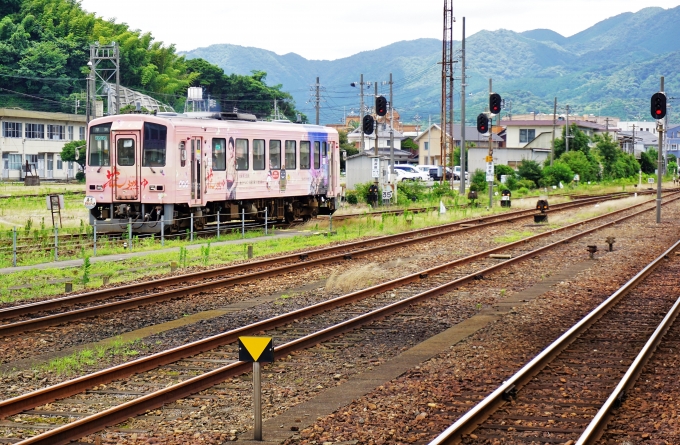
(200, 119)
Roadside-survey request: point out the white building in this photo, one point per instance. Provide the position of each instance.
(38, 137)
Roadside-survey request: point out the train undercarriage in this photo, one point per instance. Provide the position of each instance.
(171, 218)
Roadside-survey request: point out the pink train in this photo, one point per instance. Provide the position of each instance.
(158, 170)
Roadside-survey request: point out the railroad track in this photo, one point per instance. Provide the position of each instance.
(205, 363)
(32, 316)
(567, 393)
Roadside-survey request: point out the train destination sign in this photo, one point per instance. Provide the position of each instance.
(255, 349)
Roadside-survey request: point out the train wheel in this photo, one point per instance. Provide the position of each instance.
(289, 217)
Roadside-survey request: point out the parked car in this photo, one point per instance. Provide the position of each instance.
(403, 175)
(411, 169)
(456, 172)
(434, 172)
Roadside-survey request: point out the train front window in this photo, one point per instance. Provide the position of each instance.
(258, 154)
(274, 155)
(304, 155)
(100, 148)
(155, 139)
(126, 152)
(291, 163)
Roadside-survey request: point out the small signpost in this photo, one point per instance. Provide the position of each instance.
(256, 350)
(375, 167)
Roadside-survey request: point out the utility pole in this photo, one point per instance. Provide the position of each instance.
(361, 111)
(566, 135)
(552, 150)
(429, 140)
(447, 76)
(659, 127)
(391, 131)
(633, 149)
(317, 101)
(462, 173)
(461, 189)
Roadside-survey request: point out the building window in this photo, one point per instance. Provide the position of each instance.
(82, 134)
(11, 161)
(70, 132)
(60, 163)
(526, 135)
(55, 132)
(11, 129)
(35, 131)
(427, 145)
(389, 142)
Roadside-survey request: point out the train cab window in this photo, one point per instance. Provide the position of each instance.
(155, 138)
(219, 154)
(304, 155)
(258, 154)
(242, 154)
(317, 155)
(100, 146)
(291, 161)
(274, 155)
(126, 152)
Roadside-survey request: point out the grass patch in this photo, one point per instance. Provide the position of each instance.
(78, 361)
(513, 236)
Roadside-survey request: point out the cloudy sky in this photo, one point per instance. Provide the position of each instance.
(332, 29)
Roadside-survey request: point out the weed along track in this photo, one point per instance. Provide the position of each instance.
(39, 315)
(322, 341)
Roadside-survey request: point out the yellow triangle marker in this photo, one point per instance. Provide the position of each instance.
(255, 345)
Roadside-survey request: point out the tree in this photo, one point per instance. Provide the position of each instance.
(530, 170)
(578, 162)
(502, 169)
(609, 154)
(346, 146)
(68, 153)
(578, 141)
(556, 173)
(648, 161)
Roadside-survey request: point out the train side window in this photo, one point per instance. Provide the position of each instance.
(304, 155)
(291, 161)
(219, 154)
(126, 152)
(242, 154)
(274, 155)
(258, 154)
(182, 154)
(317, 155)
(155, 138)
(324, 149)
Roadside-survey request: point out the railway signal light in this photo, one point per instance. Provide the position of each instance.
(380, 105)
(482, 123)
(495, 103)
(367, 124)
(658, 109)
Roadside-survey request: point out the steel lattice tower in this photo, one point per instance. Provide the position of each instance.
(447, 80)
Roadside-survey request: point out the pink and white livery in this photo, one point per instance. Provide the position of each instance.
(160, 169)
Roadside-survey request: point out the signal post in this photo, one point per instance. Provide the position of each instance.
(658, 112)
(484, 122)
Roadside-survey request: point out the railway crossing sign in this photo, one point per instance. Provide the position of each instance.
(255, 349)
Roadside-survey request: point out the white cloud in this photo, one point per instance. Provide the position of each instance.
(332, 29)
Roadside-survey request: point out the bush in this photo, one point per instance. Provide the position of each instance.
(411, 190)
(352, 197)
(502, 169)
(523, 191)
(479, 180)
(526, 183)
(512, 183)
(80, 176)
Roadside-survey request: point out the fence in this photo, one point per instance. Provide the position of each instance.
(44, 245)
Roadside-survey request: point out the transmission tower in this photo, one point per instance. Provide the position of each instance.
(104, 66)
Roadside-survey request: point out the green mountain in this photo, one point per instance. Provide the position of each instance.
(611, 68)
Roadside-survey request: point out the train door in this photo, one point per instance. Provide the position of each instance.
(197, 169)
(324, 166)
(127, 177)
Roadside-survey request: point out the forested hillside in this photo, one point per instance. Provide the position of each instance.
(611, 68)
(44, 50)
